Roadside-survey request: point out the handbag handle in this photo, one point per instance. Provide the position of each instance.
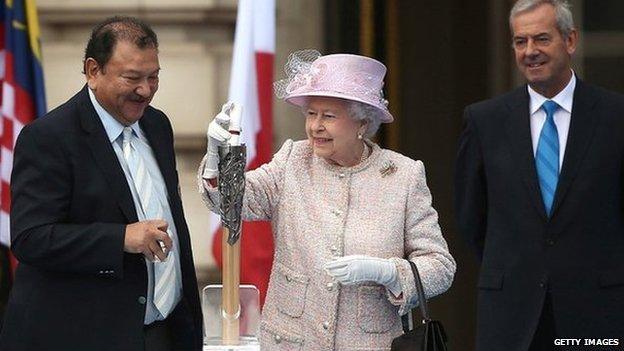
(424, 310)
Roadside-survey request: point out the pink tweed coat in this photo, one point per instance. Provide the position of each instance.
(319, 211)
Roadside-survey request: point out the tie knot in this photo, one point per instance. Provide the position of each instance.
(550, 107)
(127, 134)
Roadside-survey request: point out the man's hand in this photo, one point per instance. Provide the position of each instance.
(355, 269)
(146, 236)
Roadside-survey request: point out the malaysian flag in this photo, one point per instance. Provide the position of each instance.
(22, 97)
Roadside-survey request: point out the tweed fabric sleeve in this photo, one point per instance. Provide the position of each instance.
(262, 187)
(424, 245)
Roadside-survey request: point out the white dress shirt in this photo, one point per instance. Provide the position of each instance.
(114, 131)
(562, 116)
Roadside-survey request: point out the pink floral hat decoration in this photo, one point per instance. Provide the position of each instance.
(344, 76)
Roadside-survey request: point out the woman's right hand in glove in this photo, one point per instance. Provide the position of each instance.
(217, 134)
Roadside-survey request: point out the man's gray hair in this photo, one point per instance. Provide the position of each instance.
(563, 14)
(360, 111)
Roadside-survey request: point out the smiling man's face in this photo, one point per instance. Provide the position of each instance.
(127, 83)
(543, 54)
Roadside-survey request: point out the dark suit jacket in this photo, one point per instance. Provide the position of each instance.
(75, 287)
(578, 253)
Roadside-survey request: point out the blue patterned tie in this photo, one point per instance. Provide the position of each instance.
(547, 156)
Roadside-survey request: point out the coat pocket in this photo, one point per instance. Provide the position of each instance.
(274, 339)
(375, 314)
(294, 287)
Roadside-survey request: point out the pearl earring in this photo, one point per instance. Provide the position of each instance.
(360, 136)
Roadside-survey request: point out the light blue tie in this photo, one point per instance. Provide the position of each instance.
(165, 293)
(547, 156)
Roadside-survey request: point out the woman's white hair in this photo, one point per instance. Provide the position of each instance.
(360, 111)
(563, 14)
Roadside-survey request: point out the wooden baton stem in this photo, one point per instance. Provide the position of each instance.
(230, 293)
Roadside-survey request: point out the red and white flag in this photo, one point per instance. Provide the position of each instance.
(251, 83)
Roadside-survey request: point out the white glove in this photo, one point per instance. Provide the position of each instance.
(355, 269)
(217, 135)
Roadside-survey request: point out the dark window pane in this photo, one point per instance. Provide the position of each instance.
(608, 72)
(603, 15)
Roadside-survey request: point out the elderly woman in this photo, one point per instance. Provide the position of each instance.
(346, 214)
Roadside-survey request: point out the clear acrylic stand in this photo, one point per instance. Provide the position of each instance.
(248, 318)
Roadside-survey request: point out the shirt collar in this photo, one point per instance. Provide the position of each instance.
(112, 126)
(563, 99)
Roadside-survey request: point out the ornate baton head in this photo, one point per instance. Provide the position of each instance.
(232, 187)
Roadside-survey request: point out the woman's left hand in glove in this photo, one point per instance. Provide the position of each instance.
(354, 269)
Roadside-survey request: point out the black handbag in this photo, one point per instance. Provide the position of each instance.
(429, 336)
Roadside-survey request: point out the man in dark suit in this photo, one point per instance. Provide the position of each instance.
(96, 221)
(539, 195)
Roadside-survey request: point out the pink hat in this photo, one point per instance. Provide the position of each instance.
(344, 76)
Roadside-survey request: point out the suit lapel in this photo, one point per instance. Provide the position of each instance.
(105, 156)
(582, 125)
(518, 128)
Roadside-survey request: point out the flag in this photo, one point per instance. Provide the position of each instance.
(22, 99)
(22, 96)
(251, 84)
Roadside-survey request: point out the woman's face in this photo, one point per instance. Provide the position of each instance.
(332, 132)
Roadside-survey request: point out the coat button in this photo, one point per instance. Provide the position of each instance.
(341, 175)
(330, 286)
(550, 242)
(325, 325)
(142, 300)
(277, 339)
